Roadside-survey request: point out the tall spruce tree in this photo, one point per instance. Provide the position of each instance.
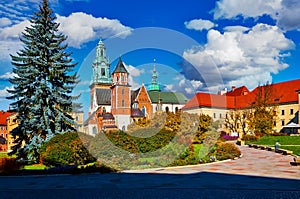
(42, 86)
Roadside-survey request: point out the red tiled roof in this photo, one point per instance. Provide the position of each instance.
(238, 91)
(210, 100)
(3, 117)
(284, 92)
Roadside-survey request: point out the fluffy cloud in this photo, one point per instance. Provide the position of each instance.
(9, 39)
(4, 93)
(199, 24)
(289, 15)
(133, 72)
(239, 56)
(246, 8)
(81, 27)
(5, 22)
(285, 12)
(7, 76)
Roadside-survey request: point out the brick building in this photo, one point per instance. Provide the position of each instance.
(3, 131)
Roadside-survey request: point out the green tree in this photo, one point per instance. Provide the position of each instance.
(263, 115)
(42, 85)
(205, 123)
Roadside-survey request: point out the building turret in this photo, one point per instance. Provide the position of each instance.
(154, 86)
(101, 67)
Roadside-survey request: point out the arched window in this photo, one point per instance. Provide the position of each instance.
(102, 71)
(176, 109)
(94, 130)
(144, 110)
(167, 109)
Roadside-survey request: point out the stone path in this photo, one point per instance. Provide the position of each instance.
(255, 162)
(258, 174)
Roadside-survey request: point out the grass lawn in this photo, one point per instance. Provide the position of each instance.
(34, 167)
(295, 149)
(283, 141)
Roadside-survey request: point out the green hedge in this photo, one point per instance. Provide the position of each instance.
(65, 149)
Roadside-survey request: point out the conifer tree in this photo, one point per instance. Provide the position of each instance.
(42, 86)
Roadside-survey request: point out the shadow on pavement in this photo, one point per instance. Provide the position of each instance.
(138, 185)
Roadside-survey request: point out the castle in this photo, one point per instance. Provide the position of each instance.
(114, 105)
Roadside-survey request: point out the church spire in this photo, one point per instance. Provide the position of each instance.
(154, 86)
(101, 67)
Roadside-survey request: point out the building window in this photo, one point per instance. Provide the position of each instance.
(291, 111)
(122, 91)
(282, 112)
(103, 71)
(167, 109)
(214, 115)
(144, 110)
(123, 103)
(76, 118)
(274, 123)
(94, 130)
(282, 122)
(220, 115)
(104, 110)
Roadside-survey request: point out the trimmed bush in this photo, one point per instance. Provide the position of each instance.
(65, 149)
(226, 151)
(9, 165)
(250, 138)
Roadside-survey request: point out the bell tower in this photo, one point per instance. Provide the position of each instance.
(101, 80)
(121, 96)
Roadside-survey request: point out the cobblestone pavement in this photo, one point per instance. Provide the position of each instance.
(258, 174)
(254, 162)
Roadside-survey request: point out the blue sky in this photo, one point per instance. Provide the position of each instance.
(198, 45)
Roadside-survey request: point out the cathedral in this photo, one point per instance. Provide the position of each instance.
(114, 105)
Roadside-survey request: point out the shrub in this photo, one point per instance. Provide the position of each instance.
(65, 149)
(228, 137)
(8, 165)
(227, 151)
(250, 138)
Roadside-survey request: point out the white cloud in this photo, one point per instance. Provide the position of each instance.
(84, 83)
(9, 39)
(81, 28)
(170, 87)
(289, 15)
(133, 72)
(4, 21)
(4, 93)
(13, 32)
(240, 58)
(230, 9)
(199, 24)
(7, 76)
(285, 12)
